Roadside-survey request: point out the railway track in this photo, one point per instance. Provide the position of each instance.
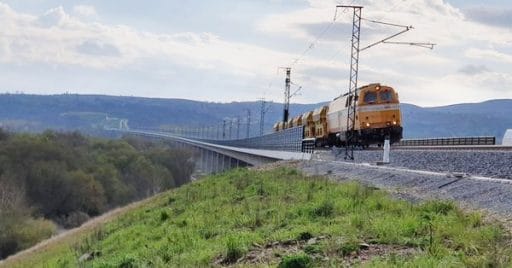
(431, 148)
(454, 148)
(486, 161)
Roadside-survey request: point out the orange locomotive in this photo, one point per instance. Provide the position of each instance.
(377, 117)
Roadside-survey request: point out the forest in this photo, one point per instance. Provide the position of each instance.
(54, 180)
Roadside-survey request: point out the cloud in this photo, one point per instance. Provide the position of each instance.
(59, 38)
(95, 55)
(85, 11)
(53, 17)
(98, 48)
(489, 55)
(435, 20)
(471, 69)
(494, 16)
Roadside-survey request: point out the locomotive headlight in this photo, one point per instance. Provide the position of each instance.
(367, 124)
(394, 122)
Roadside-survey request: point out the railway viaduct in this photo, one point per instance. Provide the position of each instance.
(213, 156)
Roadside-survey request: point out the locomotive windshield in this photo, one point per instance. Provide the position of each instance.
(370, 97)
(385, 96)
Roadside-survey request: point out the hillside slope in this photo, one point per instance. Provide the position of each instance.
(279, 217)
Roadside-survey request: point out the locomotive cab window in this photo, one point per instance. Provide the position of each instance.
(370, 97)
(385, 96)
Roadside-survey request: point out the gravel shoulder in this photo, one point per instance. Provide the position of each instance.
(494, 164)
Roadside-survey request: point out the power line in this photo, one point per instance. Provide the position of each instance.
(385, 40)
(312, 45)
(263, 111)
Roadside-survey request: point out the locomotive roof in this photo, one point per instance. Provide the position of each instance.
(358, 89)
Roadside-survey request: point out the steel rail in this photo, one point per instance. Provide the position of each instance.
(455, 148)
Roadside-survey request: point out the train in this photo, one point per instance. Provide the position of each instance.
(377, 117)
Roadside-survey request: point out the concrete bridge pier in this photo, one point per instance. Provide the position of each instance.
(211, 161)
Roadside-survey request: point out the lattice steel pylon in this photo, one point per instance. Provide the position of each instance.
(263, 112)
(350, 136)
(248, 130)
(287, 85)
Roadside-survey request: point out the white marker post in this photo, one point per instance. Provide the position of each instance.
(385, 157)
(387, 147)
(507, 138)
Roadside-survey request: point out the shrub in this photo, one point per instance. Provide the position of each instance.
(305, 236)
(438, 207)
(312, 249)
(128, 262)
(325, 209)
(27, 233)
(207, 233)
(164, 216)
(74, 219)
(349, 247)
(18, 230)
(296, 261)
(234, 250)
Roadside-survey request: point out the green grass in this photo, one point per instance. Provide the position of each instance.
(218, 220)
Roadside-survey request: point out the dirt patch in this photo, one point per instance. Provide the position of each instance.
(317, 248)
(377, 250)
(273, 252)
(278, 164)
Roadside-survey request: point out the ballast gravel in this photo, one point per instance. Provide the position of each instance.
(494, 195)
(494, 164)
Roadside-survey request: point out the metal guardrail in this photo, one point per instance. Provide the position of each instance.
(308, 145)
(463, 141)
(252, 156)
(287, 140)
(290, 140)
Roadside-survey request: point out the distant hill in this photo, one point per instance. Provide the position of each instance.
(489, 118)
(90, 113)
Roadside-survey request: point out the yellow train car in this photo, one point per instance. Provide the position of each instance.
(290, 123)
(309, 125)
(297, 121)
(282, 126)
(276, 127)
(377, 117)
(321, 129)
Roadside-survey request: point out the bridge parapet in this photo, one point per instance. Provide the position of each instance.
(289, 140)
(240, 149)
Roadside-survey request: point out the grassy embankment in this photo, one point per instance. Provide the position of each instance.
(280, 217)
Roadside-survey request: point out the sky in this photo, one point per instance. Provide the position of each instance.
(232, 50)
